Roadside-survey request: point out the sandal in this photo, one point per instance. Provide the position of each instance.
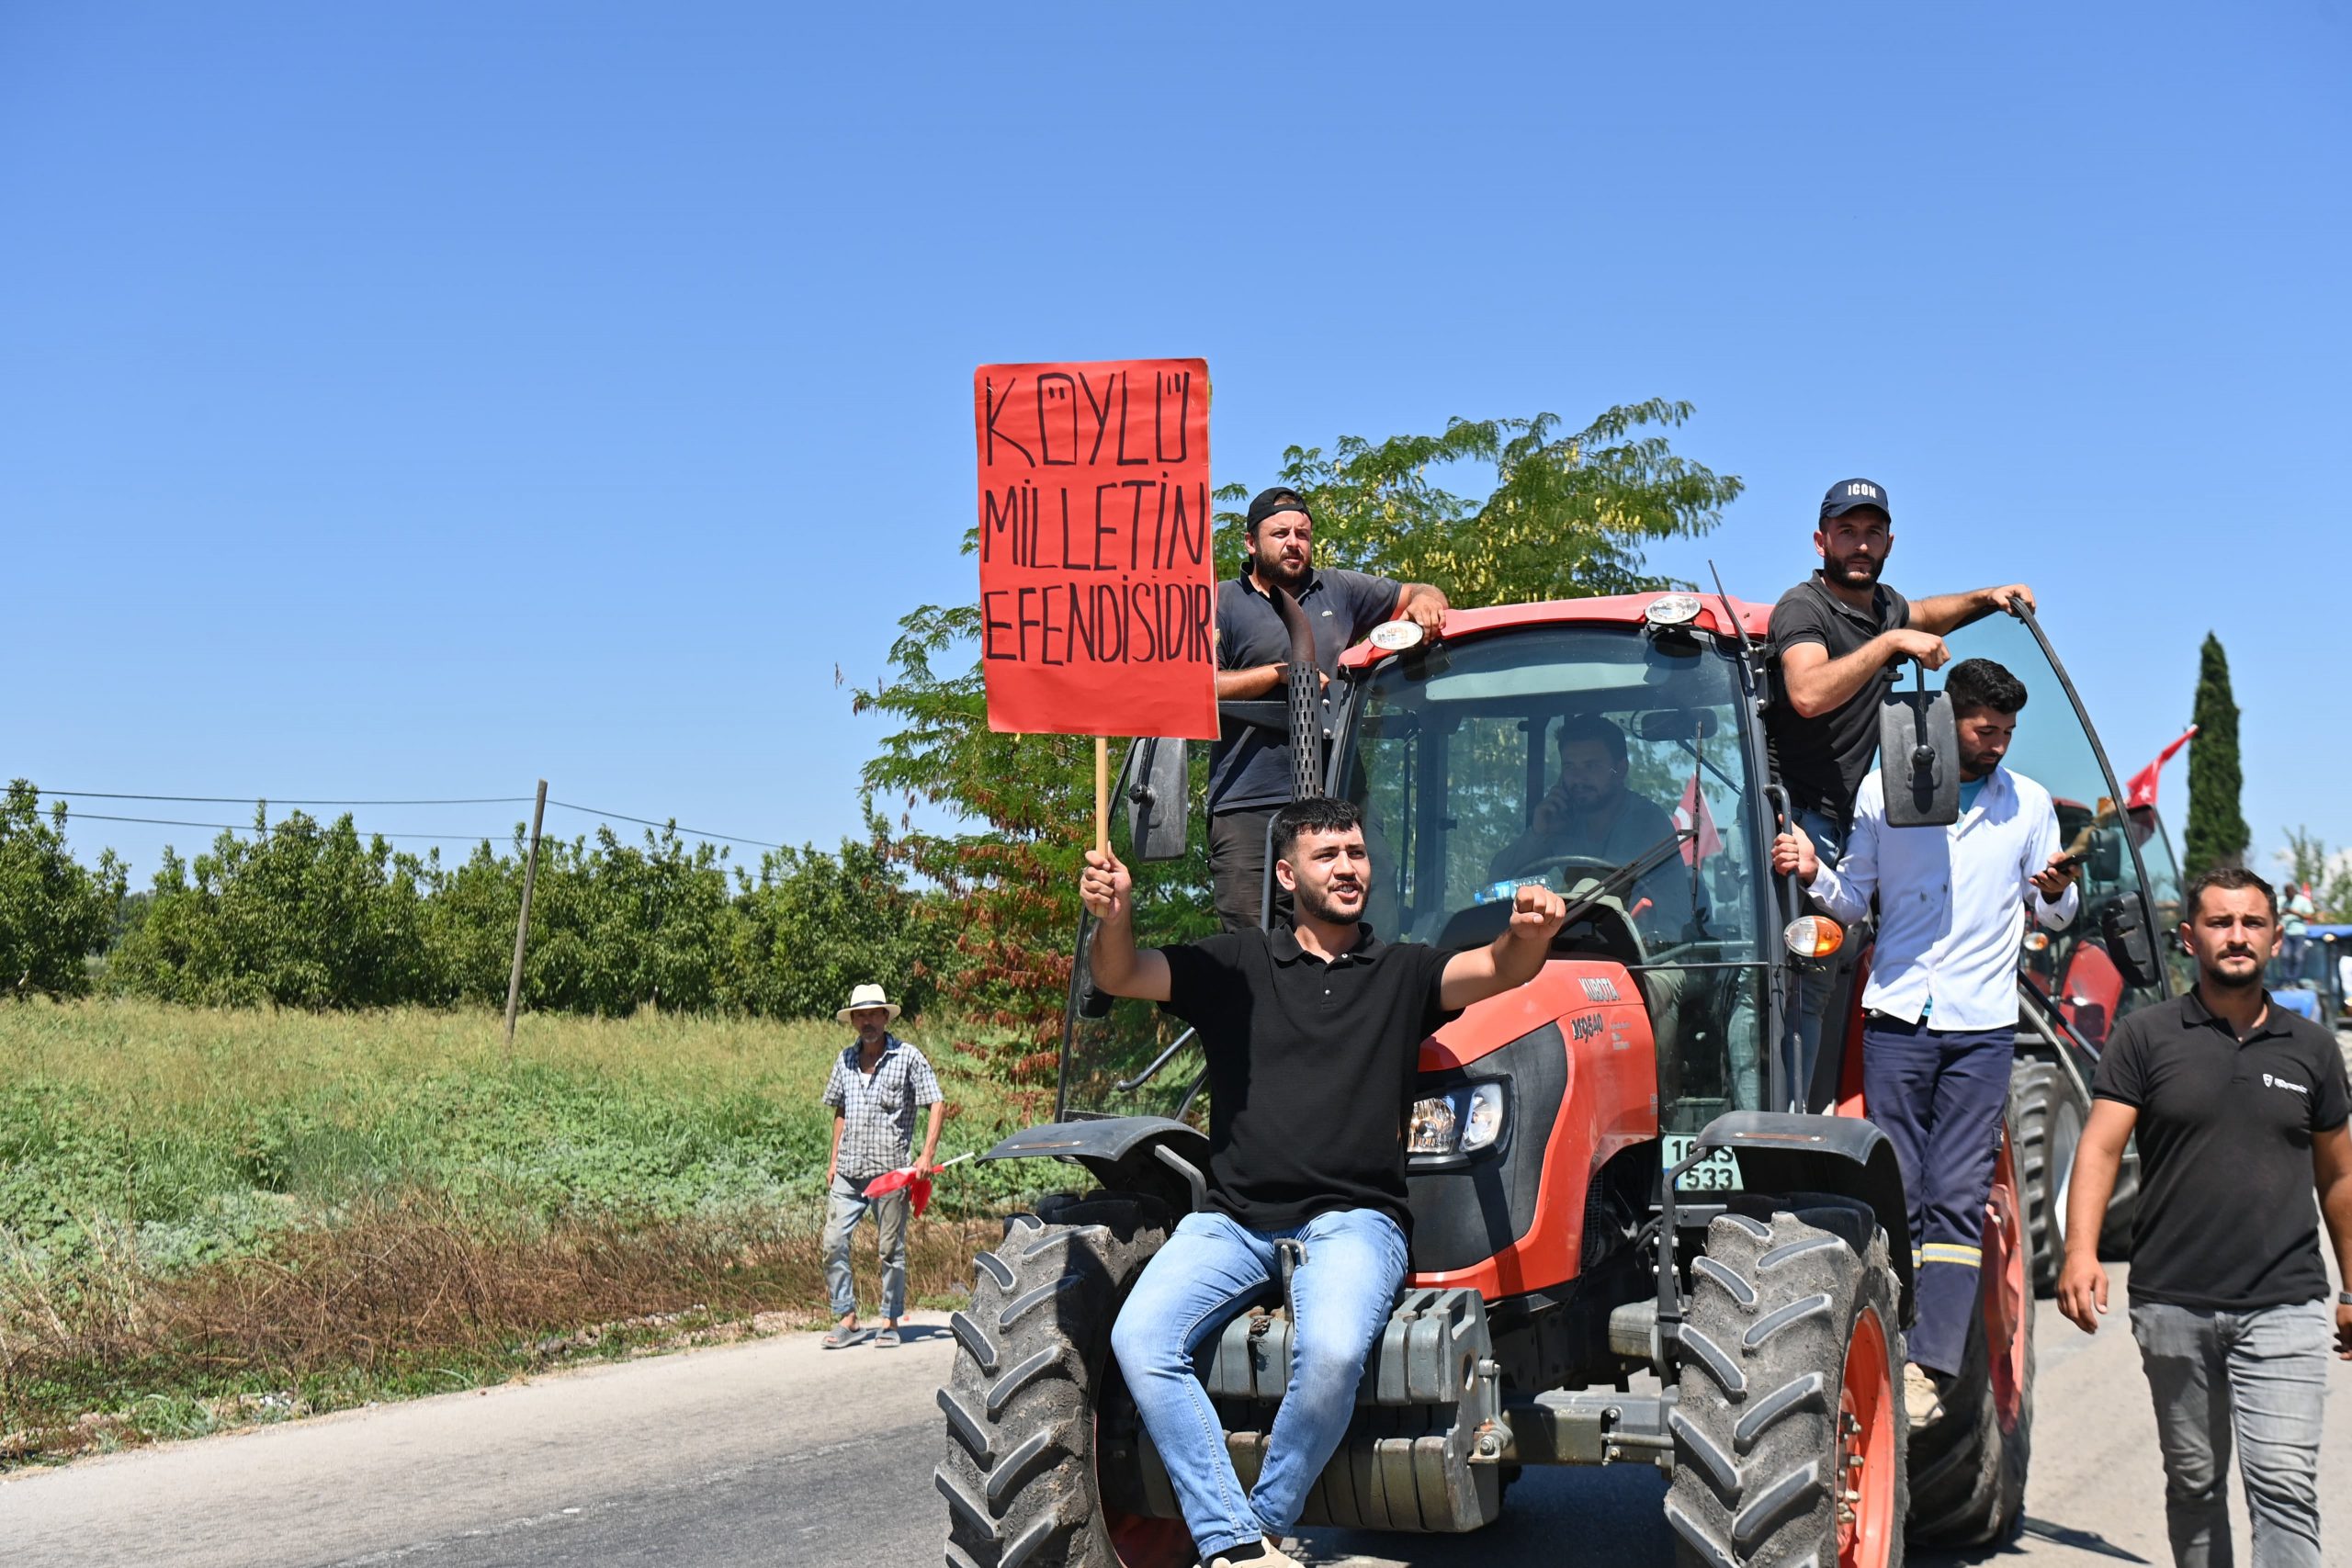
(843, 1339)
(886, 1339)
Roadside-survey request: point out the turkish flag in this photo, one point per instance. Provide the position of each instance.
(2140, 795)
(1691, 815)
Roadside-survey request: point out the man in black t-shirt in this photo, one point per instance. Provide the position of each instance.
(1249, 765)
(1841, 637)
(2241, 1111)
(1313, 1037)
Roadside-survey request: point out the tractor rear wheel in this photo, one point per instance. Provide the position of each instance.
(2049, 1126)
(1033, 1368)
(1787, 1427)
(1968, 1468)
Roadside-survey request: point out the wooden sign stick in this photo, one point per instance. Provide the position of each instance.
(1102, 794)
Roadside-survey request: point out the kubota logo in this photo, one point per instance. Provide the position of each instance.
(2270, 1082)
(1599, 991)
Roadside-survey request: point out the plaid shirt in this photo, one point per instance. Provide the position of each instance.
(878, 1107)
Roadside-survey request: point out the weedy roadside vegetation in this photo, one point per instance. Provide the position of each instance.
(209, 1217)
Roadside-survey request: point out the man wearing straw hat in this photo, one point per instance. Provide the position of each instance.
(875, 1086)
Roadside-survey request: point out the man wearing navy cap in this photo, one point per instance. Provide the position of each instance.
(1249, 766)
(1841, 637)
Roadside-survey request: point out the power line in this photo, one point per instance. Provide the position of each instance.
(273, 800)
(467, 838)
(649, 822)
(249, 828)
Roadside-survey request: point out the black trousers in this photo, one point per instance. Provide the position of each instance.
(1238, 866)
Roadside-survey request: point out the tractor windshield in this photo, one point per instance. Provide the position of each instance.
(1604, 760)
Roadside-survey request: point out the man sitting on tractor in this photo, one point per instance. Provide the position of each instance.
(1312, 1036)
(1590, 815)
(1940, 1022)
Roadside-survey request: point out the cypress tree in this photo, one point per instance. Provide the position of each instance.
(2217, 829)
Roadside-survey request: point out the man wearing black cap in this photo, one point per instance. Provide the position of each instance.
(1841, 637)
(1249, 766)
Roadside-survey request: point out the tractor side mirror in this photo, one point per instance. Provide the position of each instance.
(2106, 862)
(1918, 757)
(2123, 928)
(1160, 782)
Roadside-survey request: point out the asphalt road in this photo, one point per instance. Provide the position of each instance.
(776, 1453)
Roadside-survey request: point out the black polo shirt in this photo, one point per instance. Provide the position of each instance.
(1249, 766)
(1311, 1068)
(1822, 760)
(2229, 1220)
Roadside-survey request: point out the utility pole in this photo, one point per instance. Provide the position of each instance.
(523, 922)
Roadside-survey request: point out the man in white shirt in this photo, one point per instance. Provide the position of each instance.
(1942, 1006)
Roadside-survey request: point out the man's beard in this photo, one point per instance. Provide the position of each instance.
(1857, 572)
(1317, 905)
(1973, 766)
(1270, 569)
(2252, 978)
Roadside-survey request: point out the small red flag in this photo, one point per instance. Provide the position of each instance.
(2140, 795)
(1691, 815)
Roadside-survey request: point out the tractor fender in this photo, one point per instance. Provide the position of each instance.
(1125, 1154)
(1845, 1156)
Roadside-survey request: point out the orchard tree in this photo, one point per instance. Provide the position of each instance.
(54, 913)
(2217, 831)
(1564, 514)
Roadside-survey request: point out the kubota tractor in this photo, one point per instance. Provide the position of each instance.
(1635, 1192)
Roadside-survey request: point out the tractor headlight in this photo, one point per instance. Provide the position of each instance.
(1459, 1122)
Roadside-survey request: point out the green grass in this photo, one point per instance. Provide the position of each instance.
(213, 1217)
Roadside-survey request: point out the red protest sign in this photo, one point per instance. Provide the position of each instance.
(1098, 593)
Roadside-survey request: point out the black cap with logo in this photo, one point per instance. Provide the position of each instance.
(1848, 495)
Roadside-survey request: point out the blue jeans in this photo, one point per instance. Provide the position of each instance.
(1937, 1094)
(1211, 1268)
(2265, 1373)
(844, 1205)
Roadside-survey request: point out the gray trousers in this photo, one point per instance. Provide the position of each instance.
(843, 1206)
(2261, 1375)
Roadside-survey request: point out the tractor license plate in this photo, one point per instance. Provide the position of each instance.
(1718, 1172)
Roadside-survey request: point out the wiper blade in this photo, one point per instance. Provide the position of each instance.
(1633, 871)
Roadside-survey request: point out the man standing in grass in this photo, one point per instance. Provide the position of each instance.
(875, 1086)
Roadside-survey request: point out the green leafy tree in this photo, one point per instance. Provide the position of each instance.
(54, 913)
(1567, 516)
(1564, 514)
(2329, 871)
(300, 915)
(811, 926)
(2217, 831)
(617, 926)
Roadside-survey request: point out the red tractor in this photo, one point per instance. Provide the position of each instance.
(1635, 1192)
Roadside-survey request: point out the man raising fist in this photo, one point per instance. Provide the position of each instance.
(1312, 1036)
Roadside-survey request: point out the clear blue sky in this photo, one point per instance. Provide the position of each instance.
(417, 399)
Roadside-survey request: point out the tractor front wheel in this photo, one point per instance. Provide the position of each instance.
(1033, 1371)
(1787, 1426)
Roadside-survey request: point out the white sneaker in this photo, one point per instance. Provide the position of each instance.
(1922, 1401)
(1272, 1557)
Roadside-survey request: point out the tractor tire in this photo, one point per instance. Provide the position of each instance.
(1788, 1426)
(1968, 1468)
(2049, 1126)
(1033, 1366)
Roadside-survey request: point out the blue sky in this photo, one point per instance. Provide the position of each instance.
(415, 400)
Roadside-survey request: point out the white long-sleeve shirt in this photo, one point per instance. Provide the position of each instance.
(1952, 901)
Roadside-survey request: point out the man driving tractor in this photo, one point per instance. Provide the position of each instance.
(1590, 815)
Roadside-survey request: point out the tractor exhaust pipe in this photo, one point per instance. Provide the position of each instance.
(1305, 694)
